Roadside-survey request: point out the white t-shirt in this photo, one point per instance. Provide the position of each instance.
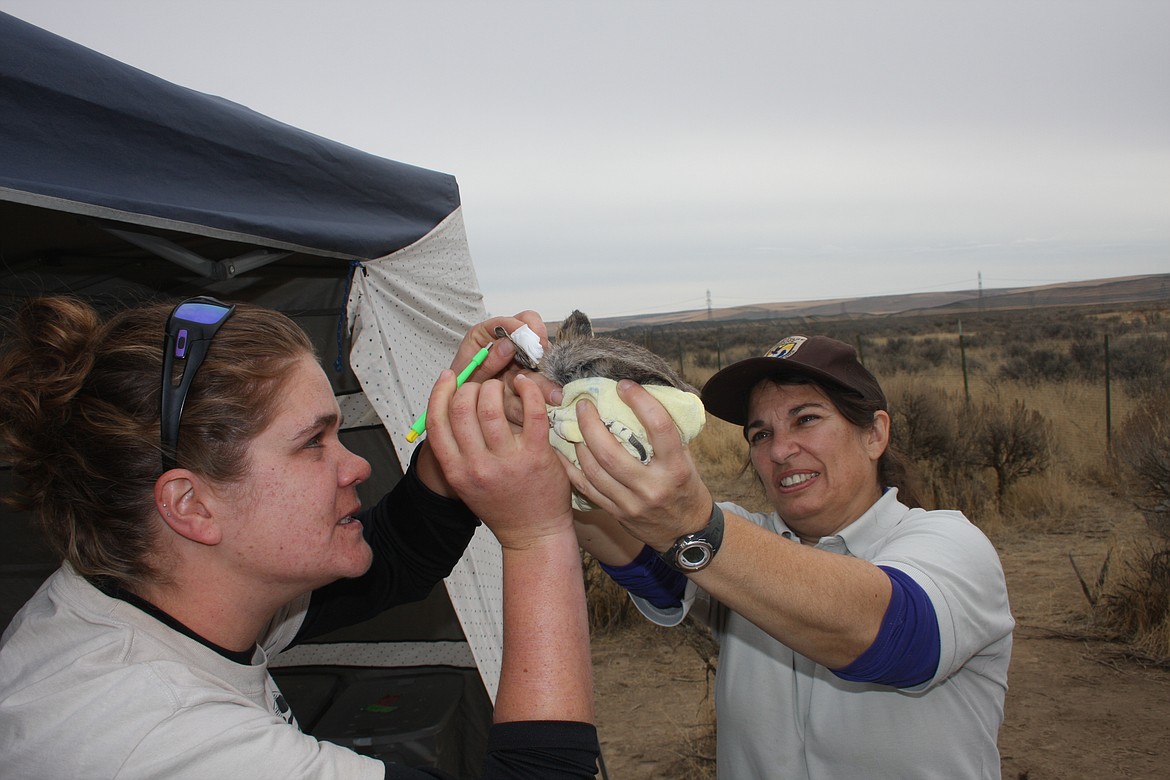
(782, 715)
(73, 654)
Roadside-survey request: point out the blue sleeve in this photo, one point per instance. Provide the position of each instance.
(907, 648)
(648, 577)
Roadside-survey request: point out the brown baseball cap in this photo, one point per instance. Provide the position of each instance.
(820, 358)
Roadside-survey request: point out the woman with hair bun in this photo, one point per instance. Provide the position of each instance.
(184, 462)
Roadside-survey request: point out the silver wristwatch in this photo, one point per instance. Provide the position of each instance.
(693, 552)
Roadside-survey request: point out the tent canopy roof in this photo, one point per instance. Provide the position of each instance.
(86, 135)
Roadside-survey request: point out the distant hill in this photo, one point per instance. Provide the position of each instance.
(1118, 290)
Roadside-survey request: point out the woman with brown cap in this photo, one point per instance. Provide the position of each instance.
(859, 635)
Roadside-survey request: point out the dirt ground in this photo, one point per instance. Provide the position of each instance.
(1077, 707)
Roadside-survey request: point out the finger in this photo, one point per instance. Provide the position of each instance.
(514, 406)
(464, 420)
(494, 428)
(581, 483)
(478, 337)
(535, 413)
(514, 409)
(552, 392)
(660, 426)
(439, 434)
(603, 447)
(500, 358)
(600, 481)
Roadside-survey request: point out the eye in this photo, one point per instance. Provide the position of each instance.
(804, 419)
(758, 435)
(314, 442)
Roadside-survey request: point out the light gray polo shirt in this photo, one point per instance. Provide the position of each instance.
(92, 687)
(780, 715)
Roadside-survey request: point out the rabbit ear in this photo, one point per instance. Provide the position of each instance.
(575, 326)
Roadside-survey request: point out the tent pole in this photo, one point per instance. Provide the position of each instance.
(210, 269)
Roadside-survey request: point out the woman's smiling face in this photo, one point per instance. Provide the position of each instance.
(293, 523)
(818, 469)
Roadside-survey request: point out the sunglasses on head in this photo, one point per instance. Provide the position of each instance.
(190, 328)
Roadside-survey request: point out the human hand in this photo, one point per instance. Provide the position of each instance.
(499, 361)
(510, 477)
(656, 502)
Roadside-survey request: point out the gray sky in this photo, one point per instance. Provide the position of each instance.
(632, 157)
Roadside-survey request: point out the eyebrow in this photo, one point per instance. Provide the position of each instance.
(793, 412)
(322, 422)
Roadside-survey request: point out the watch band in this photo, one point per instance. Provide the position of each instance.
(694, 552)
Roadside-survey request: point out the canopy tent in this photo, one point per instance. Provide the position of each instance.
(118, 186)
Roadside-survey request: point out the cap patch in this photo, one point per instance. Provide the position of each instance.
(786, 347)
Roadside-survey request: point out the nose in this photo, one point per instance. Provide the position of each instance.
(782, 447)
(354, 469)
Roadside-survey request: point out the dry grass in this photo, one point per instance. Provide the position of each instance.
(1050, 502)
(1133, 600)
(696, 759)
(608, 604)
(719, 450)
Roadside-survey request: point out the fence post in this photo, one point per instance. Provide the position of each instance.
(963, 358)
(1108, 403)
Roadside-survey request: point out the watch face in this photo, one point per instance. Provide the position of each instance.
(694, 555)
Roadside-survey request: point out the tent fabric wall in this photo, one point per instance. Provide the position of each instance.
(409, 310)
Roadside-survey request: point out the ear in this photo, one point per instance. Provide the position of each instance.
(179, 498)
(877, 436)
